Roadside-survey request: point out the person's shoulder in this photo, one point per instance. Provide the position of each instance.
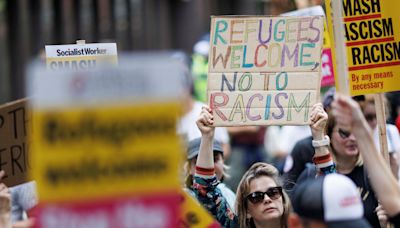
(305, 141)
(309, 172)
(28, 186)
(392, 129)
(304, 145)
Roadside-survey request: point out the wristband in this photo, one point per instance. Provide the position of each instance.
(320, 143)
(322, 159)
(328, 170)
(205, 171)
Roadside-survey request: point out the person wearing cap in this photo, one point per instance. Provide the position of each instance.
(329, 201)
(219, 167)
(349, 116)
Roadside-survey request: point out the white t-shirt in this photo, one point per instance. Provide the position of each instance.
(284, 138)
(23, 198)
(393, 138)
(188, 129)
(229, 195)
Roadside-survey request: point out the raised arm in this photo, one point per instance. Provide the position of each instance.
(205, 180)
(205, 121)
(350, 117)
(322, 158)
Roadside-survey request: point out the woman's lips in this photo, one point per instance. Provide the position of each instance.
(270, 209)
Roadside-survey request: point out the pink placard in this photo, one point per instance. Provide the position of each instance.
(327, 68)
(161, 210)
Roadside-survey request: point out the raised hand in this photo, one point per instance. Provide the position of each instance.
(347, 112)
(205, 122)
(5, 196)
(318, 119)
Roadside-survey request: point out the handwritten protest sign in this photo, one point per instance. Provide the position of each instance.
(14, 148)
(105, 143)
(80, 56)
(372, 37)
(264, 70)
(327, 63)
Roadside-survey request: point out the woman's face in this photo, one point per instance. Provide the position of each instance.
(344, 143)
(370, 115)
(268, 209)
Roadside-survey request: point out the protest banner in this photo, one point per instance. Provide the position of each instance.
(372, 44)
(14, 148)
(264, 70)
(327, 79)
(80, 56)
(356, 25)
(105, 145)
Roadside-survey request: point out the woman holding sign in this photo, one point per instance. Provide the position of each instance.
(345, 153)
(265, 204)
(261, 201)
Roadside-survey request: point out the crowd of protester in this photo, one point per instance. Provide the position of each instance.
(328, 174)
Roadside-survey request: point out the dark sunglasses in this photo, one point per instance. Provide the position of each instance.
(370, 117)
(344, 134)
(258, 197)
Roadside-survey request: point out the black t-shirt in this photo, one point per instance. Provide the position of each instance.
(359, 177)
(395, 220)
(302, 155)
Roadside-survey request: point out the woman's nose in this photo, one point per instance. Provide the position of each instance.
(267, 199)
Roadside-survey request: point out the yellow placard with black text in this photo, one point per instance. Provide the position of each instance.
(372, 36)
(104, 151)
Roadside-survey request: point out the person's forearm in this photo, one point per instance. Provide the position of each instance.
(205, 158)
(323, 150)
(380, 175)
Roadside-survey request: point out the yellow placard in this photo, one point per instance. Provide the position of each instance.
(372, 36)
(326, 41)
(194, 215)
(98, 152)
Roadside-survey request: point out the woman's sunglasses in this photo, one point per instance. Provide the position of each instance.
(258, 197)
(370, 117)
(344, 134)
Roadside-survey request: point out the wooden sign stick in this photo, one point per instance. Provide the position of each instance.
(340, 48)
(381, 124)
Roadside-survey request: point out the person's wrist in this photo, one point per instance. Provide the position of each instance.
(208, 135)
(318, 135)
(324, 141)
